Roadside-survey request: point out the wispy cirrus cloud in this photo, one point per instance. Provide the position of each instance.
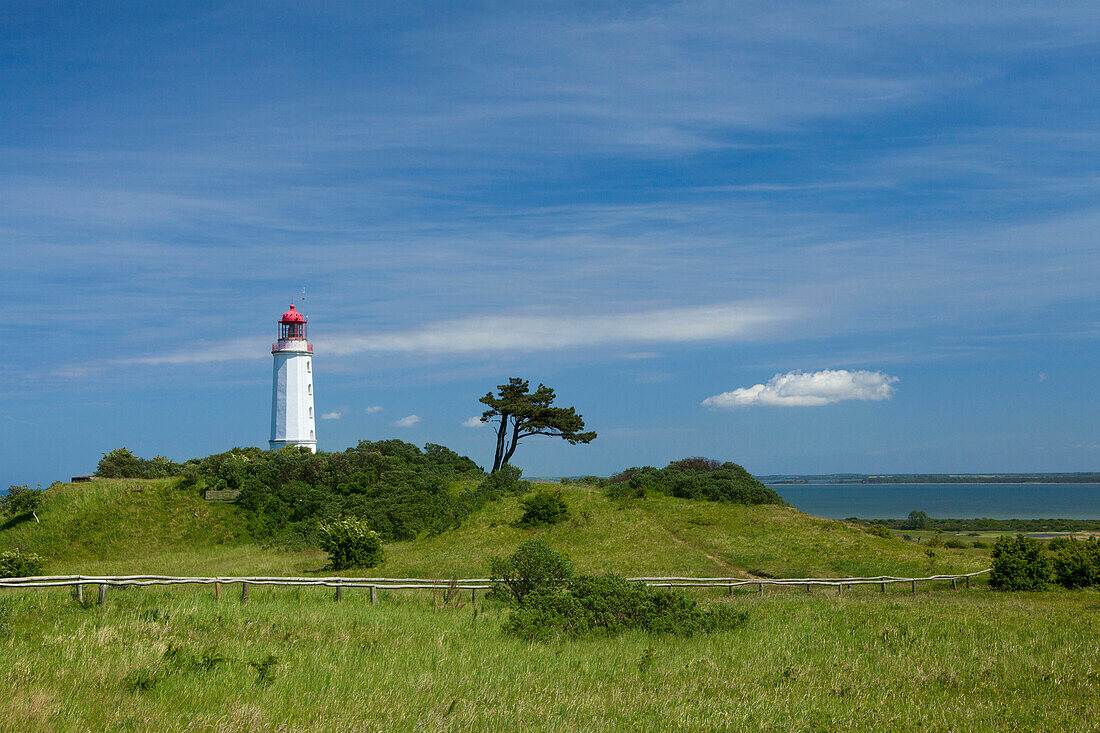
(335, 414)
(494, 334)
(809, 389)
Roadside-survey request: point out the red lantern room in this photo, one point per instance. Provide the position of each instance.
(292, 325)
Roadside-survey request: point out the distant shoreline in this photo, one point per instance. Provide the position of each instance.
(931, 483)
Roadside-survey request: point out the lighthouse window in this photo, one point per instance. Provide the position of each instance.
(309, 389)
(309, 366)
(311, 412)
(311, 435)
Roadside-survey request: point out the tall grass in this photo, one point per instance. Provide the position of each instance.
(293, 659)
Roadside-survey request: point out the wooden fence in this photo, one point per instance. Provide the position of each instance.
(373, 585)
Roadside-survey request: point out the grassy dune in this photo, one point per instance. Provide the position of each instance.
(156, 527)
(178, 660)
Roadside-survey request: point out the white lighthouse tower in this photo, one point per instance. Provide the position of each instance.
(292, 421)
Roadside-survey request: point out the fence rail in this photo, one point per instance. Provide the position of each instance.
(471, 584)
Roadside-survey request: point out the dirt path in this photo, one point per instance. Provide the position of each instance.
(722, 564)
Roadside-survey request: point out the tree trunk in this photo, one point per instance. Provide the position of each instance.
(515, 442)
(498, 459)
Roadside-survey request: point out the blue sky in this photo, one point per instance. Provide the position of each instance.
(889, 208)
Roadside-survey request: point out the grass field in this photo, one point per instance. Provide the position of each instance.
(159, 659)
(293, 659)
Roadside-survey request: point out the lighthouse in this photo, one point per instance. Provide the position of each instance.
(292, 421)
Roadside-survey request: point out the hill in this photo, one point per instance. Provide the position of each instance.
(115, 526)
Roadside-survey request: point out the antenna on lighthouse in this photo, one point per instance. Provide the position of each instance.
(303, 301)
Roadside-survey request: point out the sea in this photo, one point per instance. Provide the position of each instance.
(954, 501)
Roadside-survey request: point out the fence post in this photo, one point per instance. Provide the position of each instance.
(102, 595)
(473, 596)
(729, 589)
(80, 594)
(954, 584)
(217, 591)
(373, 594)
(244, 592)
(882, 588)
(339, 592)
(808, 585)
(760, 588)
(914, 587)
(840, 589)
(968, 581)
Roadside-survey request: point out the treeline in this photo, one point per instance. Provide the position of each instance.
(401, 491)
(921, 521)
(398, 489)
(939, 478)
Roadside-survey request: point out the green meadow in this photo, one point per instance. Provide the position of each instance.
(180, 659)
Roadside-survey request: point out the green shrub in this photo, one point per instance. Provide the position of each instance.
(21, 500)
(350, 544)
(543, 508)
(694, 478)
(1077, 564)
(121, 463)
(878, 530)
(1060, 543)
(532, 566)
(20, 564)
(978, 544)
(1019, 563)
(954, 543)
(607, 605)
(505, 481)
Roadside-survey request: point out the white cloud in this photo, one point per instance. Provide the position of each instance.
(335, 414)
(407, 422)
(473, 422)
(725, 321)
(492, 334)
(802, 389)
(373, 409)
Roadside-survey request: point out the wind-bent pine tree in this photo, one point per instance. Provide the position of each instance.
(520, 413)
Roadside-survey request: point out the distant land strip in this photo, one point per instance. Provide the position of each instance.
(936, 478)
(926, 523)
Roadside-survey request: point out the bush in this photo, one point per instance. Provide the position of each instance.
(121, 463)
(21, 500)
(505, 481)
(978, 544)
(879, 530)
(1077, 564)
(20, 564)
(531, 567)
(954, 543)
(350, 544)
(694, 478)
(1019, 563)
(543, 508)
(1060, 543)
(607, 605)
